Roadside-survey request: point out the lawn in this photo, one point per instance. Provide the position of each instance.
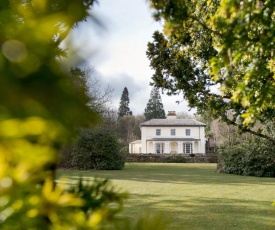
(192, 196)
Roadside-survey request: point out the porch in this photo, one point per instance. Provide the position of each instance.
(173, 146)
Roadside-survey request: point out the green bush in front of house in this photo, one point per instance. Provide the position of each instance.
(253, 158)
(97, 149)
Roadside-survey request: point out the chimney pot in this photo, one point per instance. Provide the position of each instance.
(171, 115)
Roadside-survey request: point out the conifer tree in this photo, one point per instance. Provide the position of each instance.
(154, 108)
(124, 104)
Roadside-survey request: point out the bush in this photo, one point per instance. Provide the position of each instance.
(65, 158)
(254, 158)
(97, 149)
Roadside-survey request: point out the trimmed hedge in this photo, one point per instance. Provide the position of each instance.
(255, 158)
(172, 158)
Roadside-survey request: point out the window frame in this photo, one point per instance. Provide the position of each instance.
(158, 132)
(187, 132)
(159, 147)
(173, 132)
(187, 147)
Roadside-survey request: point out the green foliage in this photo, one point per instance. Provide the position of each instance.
(245, 55)
(98, 195)
(124, 104)
(97, 149)
(65, 157)
(80, 82)
(39, 109)
(217, 44)
(154, 108)
(205, 117)
(253, 158)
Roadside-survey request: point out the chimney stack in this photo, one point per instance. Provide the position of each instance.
(171, 115)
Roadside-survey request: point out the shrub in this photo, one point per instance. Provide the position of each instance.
(65, 158)
(97, 149)
(254, 158)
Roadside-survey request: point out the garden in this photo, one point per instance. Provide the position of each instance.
(188, 196)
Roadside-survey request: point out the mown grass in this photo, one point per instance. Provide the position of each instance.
(192, 196)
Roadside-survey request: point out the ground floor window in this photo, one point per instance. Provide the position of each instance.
(187, 147)
(159, 147)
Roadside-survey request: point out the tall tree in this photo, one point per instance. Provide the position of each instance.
(220, 43)
(124, 104)
(154, 108)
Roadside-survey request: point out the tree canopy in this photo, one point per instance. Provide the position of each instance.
(124, 104)
(39, 109)
(154, 108)
(221, 44)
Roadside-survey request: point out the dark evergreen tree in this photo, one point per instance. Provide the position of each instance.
(124, 104)
(154, 108)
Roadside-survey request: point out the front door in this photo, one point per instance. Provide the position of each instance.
(173, 147)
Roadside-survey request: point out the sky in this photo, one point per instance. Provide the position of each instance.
(117, 51)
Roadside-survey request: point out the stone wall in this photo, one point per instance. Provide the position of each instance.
(172, 158)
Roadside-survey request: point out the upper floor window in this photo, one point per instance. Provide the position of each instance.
(158, 132)
(187, 132)
(173, 132)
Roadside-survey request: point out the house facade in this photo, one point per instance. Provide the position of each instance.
(170, 135)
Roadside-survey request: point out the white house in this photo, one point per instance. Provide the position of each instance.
(135, 146)
(170, 135)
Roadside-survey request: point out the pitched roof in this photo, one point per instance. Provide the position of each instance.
(172, 122)
(173, 139)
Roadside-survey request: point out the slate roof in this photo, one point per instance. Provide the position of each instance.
(173, 139)
(172, 122)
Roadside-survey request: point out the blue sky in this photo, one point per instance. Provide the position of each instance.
(118, 50)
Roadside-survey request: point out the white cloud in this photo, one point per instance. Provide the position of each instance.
(118, 51)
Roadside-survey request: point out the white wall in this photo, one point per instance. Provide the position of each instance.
(134, 147)
(143, 139)
(150, 132)
(202, 137)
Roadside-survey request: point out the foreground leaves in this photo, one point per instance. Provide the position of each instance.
(219, 54)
